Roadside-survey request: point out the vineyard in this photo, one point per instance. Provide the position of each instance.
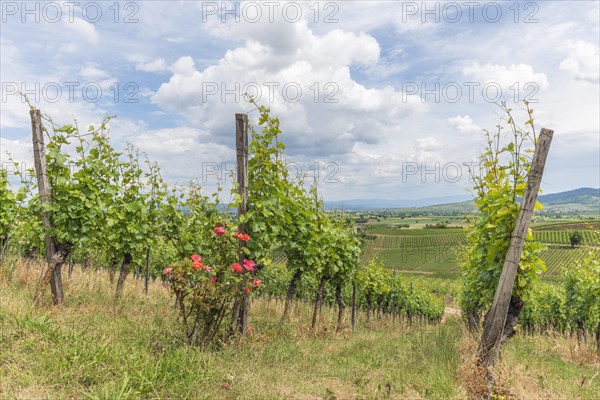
(570, 306)
(270, 266)
(559, 259)
(384, 229)
(590, 237)
(436, 251)
(114, 208)
(415, 239)
(299, 200)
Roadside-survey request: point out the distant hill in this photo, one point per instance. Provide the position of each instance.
(582, 200)
(365, 204)
(583, 196)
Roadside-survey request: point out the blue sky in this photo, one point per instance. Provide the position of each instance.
(387, 120)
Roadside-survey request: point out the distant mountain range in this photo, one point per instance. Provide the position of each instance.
(578, 200)
(384, 203)
(589, 196)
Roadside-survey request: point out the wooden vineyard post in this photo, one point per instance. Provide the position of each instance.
(147, 274)
(496, 318)
(241, 145)
(52, 274)
(70, 265)
(353, 306)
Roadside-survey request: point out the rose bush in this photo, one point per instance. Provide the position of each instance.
(207, 287)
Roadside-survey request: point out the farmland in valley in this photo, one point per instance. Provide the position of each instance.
(435, 252)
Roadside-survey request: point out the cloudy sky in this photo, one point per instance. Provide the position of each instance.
(385, 99)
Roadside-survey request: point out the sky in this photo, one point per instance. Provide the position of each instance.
(377, 99)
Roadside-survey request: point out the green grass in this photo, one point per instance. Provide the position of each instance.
(552, 366)
(94, 349)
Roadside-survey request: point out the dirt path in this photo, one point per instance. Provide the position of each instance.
(450, 311)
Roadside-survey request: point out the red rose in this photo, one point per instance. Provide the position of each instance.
(236, 267)
(197, 265)
(247, 290)
(167, 270)
(256, 283)
(249, 265)
(219, 230)
(213, 279)
(244, 236)
(196, 257)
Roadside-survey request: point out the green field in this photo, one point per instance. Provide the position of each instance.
(566, 224)
(383, 229)
(421, 222)
(434, 252)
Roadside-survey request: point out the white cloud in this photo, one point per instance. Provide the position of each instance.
(367, 54)
(171, 140)
(311, 87)
(186, 152)
(20, 151)
(506, 76)
(91, 71)
(428, 143)
(349, 48)
(158, 65)
(583, 62)
(184, 66)
(427, 151)
(84, 29)
(464, 124)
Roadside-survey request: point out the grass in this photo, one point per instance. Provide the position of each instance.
(92, 348)
(536, 367)
(552, 366)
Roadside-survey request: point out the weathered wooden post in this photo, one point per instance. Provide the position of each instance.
(52, 273)
(147, 274)
(353, 306)
(70, 265)
(496, 318)
(241, 145)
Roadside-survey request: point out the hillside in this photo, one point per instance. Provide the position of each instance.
(582, 200)
(94, 349)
